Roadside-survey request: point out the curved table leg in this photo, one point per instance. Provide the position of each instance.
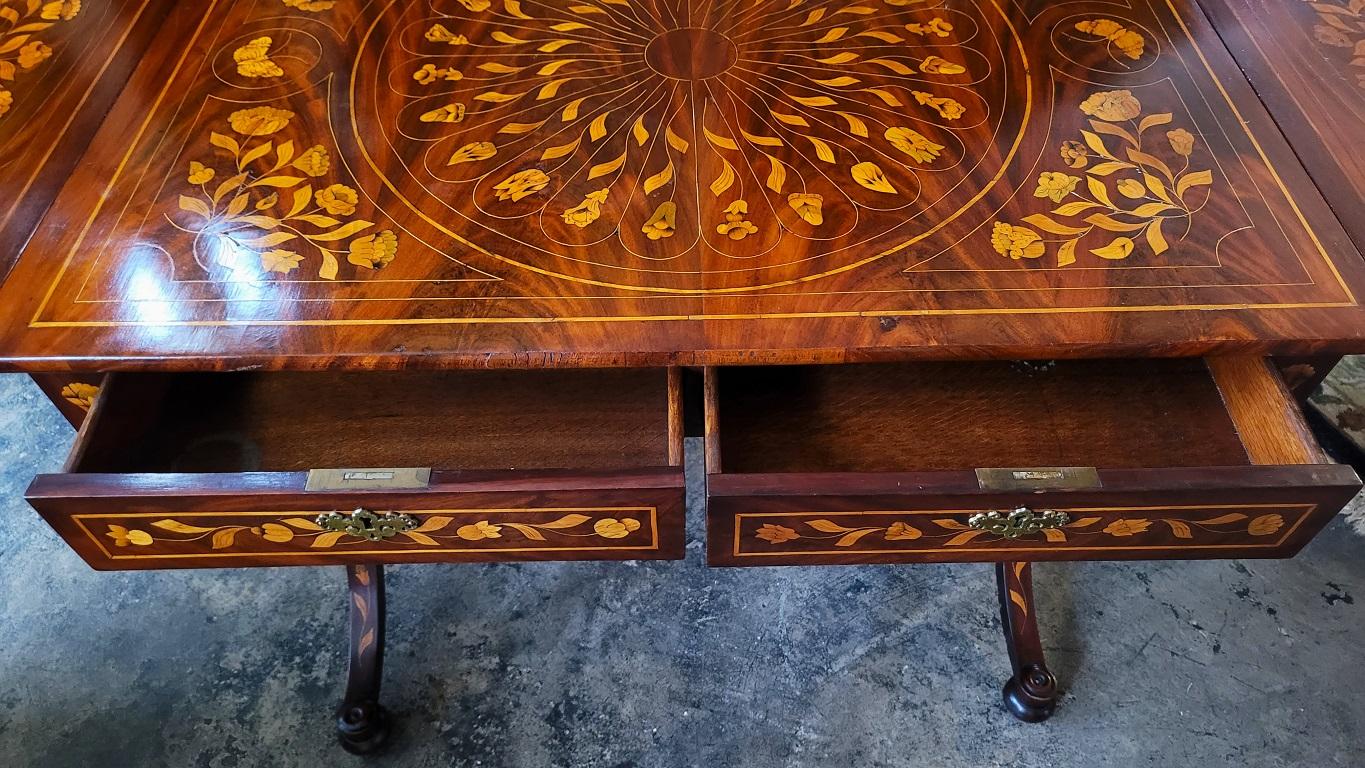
(1031, 694)
(362, 725)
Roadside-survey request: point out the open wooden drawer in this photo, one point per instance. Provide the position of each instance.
(888, 463)
(231, 469)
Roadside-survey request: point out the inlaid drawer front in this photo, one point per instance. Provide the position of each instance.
(140, 540)
(1054, 533)
(432, 466)
(1067, 460)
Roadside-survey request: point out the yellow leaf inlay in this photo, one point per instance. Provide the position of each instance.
(598, 127)
(659, 179)
(720, 141)
(856, 126)
(778, 175)
(675, 141)
(497, 97)
(893, 65)
(551, 88)
(554, 66)
(519, 128)
(822, 149)
(571, 110)
(253, 59)
(762, 141)
(870, 175)
(724, 181)
(885, 95)
(796, 120)
(602, 169)
(560, 151)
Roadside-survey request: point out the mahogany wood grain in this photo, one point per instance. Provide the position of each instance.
(1268, 421)
(927, 416)
(242, 422)
(64, 66)
(884, 199)
(1302, 58)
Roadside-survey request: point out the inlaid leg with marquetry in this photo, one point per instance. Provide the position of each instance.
(1031, 694)
(362, 725)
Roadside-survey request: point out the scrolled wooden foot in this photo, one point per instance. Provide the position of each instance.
(1031, 697)
(1031, 694)
(363, 728)
(362, 724)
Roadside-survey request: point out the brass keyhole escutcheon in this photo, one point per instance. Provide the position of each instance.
(365, 524)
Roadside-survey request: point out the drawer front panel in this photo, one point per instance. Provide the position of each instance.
(1140, 514)
(891, 536)
(119, 532)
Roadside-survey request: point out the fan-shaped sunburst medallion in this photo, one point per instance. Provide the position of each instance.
(690, 145)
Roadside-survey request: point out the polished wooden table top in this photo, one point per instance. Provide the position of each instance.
(308, 183)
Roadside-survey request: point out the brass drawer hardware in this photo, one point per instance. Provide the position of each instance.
(1036, 478)
(365, 524)
(1021, 522)
(377, 478)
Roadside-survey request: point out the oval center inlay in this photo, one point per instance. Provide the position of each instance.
(691, 53)
(720, 154)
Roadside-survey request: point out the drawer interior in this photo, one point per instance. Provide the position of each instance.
(486, 420)
(951, 416)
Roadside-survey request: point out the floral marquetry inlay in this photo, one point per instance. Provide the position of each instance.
(642, 142)
(262, 204)
(619, 180)
(80, 394)
(1136, 186)
(1341, 25)
(887, 532)
(24, 46)
(437, 530)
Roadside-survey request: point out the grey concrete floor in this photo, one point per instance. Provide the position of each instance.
(669, 664)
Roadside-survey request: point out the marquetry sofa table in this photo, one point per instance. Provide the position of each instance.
(354, 283)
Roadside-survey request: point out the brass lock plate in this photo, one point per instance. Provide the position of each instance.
(1036, 478)
(368, 479)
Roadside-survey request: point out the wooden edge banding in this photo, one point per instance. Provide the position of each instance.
(675, 417)
(1269, 423)
(709, 393)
